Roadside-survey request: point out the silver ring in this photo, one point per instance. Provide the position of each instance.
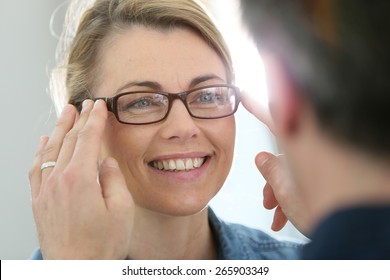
(48, 164)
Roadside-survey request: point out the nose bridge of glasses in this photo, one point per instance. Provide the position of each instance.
(181, 96)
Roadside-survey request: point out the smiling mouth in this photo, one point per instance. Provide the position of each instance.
(175, 165)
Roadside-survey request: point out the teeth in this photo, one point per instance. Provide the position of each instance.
(172, 165)
(178, 164)
(189, 164)
(196, 163)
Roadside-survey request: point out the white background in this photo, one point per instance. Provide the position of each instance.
(26, 56)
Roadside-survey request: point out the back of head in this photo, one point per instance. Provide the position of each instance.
(337, 54)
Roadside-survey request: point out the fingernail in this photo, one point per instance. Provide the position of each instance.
(262, 158)
(98, 102)
(86, 104)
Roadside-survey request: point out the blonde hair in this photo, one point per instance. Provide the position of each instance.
(73, 80)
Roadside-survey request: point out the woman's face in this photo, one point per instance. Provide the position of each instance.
(176, 61)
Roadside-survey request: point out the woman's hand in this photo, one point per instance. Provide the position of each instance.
(82, 211)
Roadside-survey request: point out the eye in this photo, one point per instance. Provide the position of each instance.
(206, 96)
(214, 96)
(140, 104)
(136, 104)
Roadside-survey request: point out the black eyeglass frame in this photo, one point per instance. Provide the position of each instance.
(112, 102)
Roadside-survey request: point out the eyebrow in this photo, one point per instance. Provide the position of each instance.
(157, 86)
(204, 78)
(150, 84)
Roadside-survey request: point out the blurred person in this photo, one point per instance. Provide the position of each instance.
(327, 65)
(145, 143)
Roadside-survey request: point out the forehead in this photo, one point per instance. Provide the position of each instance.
(170, 57)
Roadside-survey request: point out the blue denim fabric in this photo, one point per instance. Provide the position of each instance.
(37, 255)
(238, 242)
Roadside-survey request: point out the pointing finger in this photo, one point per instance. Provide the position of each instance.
(89, 140)
(70, 139)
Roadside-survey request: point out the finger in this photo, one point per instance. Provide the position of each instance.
(279, 220)
(259, 110)
(271, 167)
(70, 140)
(269, 199)
(35, 172)
(53, 146)
(113, 184)
(89, 140)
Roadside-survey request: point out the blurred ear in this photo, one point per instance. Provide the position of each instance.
(284, 101)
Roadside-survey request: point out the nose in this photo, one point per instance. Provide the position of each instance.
(179, 125)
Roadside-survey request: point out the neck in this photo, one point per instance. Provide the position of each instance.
(357, 178)
(343, 176)
(157, 236)
(334, 175)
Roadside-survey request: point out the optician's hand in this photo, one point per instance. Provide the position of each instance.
(280, 193)
(82, 211)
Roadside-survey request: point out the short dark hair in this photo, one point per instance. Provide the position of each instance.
(337, 53)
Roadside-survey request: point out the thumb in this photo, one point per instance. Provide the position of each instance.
(270, 167)
(113, 183)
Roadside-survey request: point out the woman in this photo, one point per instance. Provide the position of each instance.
(164, 150)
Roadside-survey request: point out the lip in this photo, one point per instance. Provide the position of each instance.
(181, 176)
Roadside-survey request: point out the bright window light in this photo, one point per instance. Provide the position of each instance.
(248, 65)
(240, 200)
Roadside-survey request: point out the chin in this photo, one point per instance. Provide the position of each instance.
(176, 208)
(177, 197)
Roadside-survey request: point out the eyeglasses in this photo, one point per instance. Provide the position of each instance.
(147, 107)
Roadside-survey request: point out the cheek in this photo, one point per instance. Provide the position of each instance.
(222, 135)
(228, 130)
(123, 141)
(223, 139)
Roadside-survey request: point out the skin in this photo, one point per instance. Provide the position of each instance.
(135, 57)
(134, 211)
(317, 175)
(76, 217)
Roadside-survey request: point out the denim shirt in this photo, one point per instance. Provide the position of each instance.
(238, 242)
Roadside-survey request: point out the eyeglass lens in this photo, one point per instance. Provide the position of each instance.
(211, 102)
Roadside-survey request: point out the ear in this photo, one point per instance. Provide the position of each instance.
(284, 101)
